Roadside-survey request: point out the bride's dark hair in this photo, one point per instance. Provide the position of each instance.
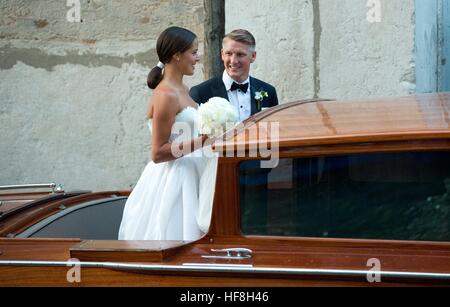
(170, 41)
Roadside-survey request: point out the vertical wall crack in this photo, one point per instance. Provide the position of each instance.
(317, 28)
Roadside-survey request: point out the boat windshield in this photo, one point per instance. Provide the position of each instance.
(392, 196)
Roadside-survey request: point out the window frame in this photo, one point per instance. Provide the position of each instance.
(252, 235)
(226, 217)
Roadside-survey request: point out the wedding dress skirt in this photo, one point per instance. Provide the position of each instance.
(173, 200)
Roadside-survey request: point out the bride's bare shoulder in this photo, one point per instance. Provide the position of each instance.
(164, 99)
(163, 91)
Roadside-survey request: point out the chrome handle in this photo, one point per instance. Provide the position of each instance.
(55, 188)
(231, 253)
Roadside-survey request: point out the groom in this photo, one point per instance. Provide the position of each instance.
(249, 95)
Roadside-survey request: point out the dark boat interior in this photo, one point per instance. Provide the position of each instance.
(94, 220)
(47, 211)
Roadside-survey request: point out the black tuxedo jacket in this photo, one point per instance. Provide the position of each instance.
(215, 88)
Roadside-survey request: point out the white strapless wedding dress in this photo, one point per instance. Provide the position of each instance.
(173, 200)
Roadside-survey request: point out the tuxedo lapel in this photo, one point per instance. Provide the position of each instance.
(219, 89)
(253, 89)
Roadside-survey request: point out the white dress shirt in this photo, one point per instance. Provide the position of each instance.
(241, 100)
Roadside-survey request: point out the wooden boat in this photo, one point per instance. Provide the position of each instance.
(360, 197)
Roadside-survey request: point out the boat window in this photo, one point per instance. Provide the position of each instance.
(95, 220)
(392, 196)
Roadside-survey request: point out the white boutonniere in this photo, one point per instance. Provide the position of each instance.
(259, 97)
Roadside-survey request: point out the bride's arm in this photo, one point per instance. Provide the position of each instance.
(165, 108)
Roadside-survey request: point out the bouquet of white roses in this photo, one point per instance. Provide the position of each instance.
(215, 116)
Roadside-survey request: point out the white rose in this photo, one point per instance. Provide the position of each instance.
(214, 115)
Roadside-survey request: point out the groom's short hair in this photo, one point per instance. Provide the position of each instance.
(242, 36)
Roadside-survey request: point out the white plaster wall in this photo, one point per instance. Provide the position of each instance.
(284, 42)
(328, 48)
(360, 59)
(74, 96)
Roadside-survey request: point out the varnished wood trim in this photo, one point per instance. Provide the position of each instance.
(299, 243)
(375, 138)
(235, 270)
(16, 221)
(23, 195)
(35, 241)
(226, 209)
(38, 202)
(225, 215)
(133, 251)
(264, 114)
(347, 149)
(362, 148)
(36, 249)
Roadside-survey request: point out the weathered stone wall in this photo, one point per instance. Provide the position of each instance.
(328, 48)
(74, 95)
(74, 98)
(363, 59)
(284, 43)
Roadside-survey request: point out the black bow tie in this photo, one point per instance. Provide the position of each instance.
(242, 87)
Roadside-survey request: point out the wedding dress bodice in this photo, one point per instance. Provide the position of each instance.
(173, 200)
(184, 127)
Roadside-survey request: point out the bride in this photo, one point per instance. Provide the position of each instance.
(168, 201)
